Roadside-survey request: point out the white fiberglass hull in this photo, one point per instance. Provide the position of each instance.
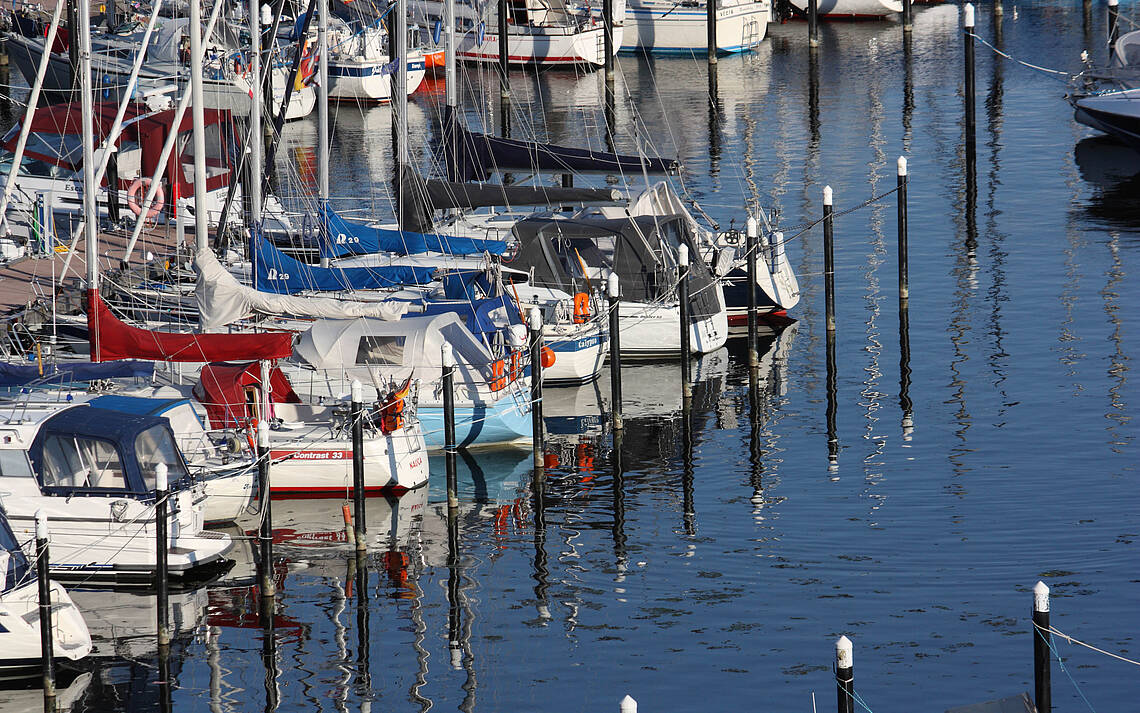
(364, 79)
(305, 465)
(542, 45)
(20, 653)
(665, 27)
(853, 8)
(579, 351)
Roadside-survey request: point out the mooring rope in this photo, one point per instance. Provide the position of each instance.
(1068, 77)
(1061, 663)
(1078, 642)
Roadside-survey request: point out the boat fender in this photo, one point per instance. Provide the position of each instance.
(250, 435)
(581, 308)
(133, 198)
(548, 357)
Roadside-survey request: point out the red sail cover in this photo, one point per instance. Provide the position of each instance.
(111, 339)
(221, 388)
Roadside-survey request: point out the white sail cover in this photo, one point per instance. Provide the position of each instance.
(223, 300)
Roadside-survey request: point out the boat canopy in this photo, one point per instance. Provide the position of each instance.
(572, 255)
(95, 451)
(230, 392)
(277, 273)
(13, 563)
(478, 155)
(407, 347)
(421, 197)
(69, 372)
(189, 431)
(480, 316)
(346, 237)
(112, 339)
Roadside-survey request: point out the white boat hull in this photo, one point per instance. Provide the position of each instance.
(649, 331)
(542, 45)
(578, 354)
(364, 80)
(853, 8)
(20, 653)
(664, 27)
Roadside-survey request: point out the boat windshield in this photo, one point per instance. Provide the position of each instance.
(13, 563)
(32, 166)
(153, 446)
(77, 462)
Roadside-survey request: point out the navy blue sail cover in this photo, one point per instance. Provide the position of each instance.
(276, 272)
(346, 237)
(67, 372)
(477, 155)
(479, 315)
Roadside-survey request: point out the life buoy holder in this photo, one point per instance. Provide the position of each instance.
(133, 198)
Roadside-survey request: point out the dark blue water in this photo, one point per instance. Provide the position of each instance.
(721, 581)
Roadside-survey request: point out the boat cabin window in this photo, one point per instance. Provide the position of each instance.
(14, 464)
(380, 351)
(77, 462)
(31, 166)
(153, 446)
(597, 254)
(216, 163)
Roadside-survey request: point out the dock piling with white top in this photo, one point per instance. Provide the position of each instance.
(904, 277)
(449, 443)
(683, 306)
(1042, 643)
(47, 645)
(161, 548)
(534, 321)
(751, 232)
(356, 416)
(613, 291)
(845, 675)
(968, 87)
(265, 536)
(1113, 23)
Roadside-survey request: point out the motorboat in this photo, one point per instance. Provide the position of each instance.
(492, 399)
(359, 65)
(1116, 114)
(21, 656)
(669, 27)
(92, 472)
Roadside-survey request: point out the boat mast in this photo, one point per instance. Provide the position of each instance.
(91, 223)
(400, 97)
(255, 135)
(323, 117)
(452, 91)
(198, 116)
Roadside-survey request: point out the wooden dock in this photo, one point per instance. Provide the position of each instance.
(36, 278)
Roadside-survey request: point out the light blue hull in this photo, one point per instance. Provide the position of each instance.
(502, 422)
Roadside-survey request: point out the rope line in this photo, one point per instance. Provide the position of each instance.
(1068, 77)
(1061, 662)
(1078, 642)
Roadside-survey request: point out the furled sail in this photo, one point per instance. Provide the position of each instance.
(112, 339)
(276, 272)
(223, 300)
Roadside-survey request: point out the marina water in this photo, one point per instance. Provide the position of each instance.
(720, 581)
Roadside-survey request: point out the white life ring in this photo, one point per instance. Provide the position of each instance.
(133, 198)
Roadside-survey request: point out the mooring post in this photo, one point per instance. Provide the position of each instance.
(968, 88)
(161, 549)
(904, 277)
(534, 320)
(683, 306)
(628, 705)
(608, 47)
(813, 23)
(1113, 23)
(828, 258)
(449, 444)
(356, 414)
(710, 22)
(907, 16)
(752, 232)
(264, 456)
(1042, 645)
(845, 675)
(613, 290)
(47, 644)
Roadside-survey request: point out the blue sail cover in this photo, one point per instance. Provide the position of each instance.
(480, 316)
(276, 272)
(67, 372)
(347, 237)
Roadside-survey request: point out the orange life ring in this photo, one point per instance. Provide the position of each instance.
(581, 308)
(133, 198)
